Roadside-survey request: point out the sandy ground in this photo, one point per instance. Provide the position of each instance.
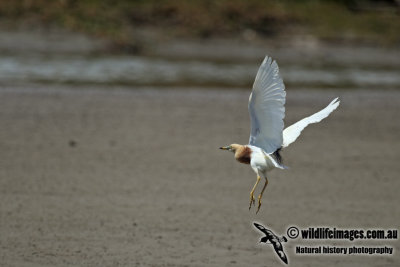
(135, 177)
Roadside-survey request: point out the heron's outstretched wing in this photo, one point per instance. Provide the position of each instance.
(266, 107)
(291, 133)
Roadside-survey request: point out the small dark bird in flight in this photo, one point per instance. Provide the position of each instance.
(271, 238)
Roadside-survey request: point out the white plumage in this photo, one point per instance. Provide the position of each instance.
(291, 133)
(267, 137)
(267, 111)
(266, 107)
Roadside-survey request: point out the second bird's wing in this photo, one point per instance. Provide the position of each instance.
(262, 228)
(279, 251)
(291, 133)
(266, 107)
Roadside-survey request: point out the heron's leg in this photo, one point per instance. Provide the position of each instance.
(252, 200)
(262, 192)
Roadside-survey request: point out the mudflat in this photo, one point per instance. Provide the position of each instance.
(134, 177)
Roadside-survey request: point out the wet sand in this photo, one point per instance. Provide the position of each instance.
(119, 177)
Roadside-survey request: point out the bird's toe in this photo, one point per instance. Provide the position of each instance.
(252, 201)
(259, 204)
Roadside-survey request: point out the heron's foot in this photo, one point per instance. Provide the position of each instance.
(252, 200)
(259, 203)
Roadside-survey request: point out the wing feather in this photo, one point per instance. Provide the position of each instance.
(279, 251)
(266, 107)
(291, 133)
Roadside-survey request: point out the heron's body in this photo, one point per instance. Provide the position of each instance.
(267, 136)
(256, 157)
(263, 162)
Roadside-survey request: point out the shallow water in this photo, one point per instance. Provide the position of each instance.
(155, 71)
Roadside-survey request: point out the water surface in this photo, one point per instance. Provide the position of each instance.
(154, 71)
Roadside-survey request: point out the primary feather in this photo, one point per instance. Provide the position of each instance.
(266, 107)
(267, 110)
(291, 133)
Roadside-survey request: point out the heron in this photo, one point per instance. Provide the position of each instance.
(267, 136)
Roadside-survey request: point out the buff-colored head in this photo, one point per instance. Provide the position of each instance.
(242, 153)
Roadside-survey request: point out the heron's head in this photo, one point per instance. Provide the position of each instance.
(232, 147)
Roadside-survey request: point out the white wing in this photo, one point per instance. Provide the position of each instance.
(266, 107)
(291, 133)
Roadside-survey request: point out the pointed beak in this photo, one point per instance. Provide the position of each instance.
(224, 148)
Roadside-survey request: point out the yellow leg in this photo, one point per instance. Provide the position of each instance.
(262, 192)
(252, 200)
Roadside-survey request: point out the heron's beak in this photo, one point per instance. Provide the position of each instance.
(224, 147)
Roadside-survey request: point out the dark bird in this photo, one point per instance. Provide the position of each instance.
(271, 238)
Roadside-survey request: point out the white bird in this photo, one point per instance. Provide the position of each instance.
(267, 137)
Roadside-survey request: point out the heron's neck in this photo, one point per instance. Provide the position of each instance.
(243, 154)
